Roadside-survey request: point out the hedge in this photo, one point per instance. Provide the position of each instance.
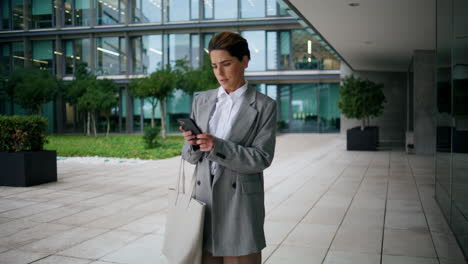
(22, 133)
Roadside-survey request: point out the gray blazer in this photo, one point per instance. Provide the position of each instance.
(235, 200)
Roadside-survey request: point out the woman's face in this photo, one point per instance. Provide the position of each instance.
(229, 71)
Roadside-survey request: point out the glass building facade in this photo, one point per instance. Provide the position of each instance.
(127, 39)
(452, 116)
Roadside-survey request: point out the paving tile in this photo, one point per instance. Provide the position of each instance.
(311, 235)
(145, 250)
(14, 226)
(338, 257)
(7, 204)
(408, 243)
(19, 257)
(61, 260)
(358, 240)
(325, 216)
(100, 245)
(145, 225)
(364, 218)
(406, 220)
(297, 255)
(276, 232)
(386, 259)
(29, 235)
(446, 246)
(63, 240)
(404, 205)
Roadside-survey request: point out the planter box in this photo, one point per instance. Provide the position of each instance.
(28, 168)
(367, 139)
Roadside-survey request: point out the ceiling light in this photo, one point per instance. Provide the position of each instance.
(309, 46)
(156, 51)
(58, 53)
(108, 51)
(353, 4)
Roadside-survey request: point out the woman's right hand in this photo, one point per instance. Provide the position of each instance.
(191, 139)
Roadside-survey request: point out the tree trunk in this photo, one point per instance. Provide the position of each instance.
(88, 123)
(94, 123)
(152, 115)
(108, 126)
(12, 106)
(162, 105)
(363, 124)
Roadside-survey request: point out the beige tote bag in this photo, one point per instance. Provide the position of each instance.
(183, 237)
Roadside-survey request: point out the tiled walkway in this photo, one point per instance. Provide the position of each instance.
(324, 205)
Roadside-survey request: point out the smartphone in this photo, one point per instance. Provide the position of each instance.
(188, 124)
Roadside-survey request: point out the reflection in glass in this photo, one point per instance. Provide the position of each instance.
(41, 13)
(147, 53)
(42, 54)
(110, 12)
(179, 47)
(110, 56)
(310, 54)
(146, 11)
(178, 106)
(304, 108)
(5, 5)
(5, 59)
(285, 50)
(18, 22)
(194, 8)
(18, 54)
(256, 40)
(77, 12)
(252, 8)
(272, 50)
(178, 10)
(271, 8)
(77, 51)
(329, 111)
(285, 105)
(206, 40)
(208, 9)
(224, 9)
(195, 50)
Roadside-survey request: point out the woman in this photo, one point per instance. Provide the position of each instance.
(238, 143)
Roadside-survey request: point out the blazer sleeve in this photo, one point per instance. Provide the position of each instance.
(252, 159)
(188, 154)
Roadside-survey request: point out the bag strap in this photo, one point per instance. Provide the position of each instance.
(182, 175)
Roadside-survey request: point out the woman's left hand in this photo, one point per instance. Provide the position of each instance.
(205, 141)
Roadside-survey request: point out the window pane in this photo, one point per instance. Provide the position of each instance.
(5, 15)
(272, 8)
(285, 98)
(206, 40)
(310, 54)
(41, 13)
(18, 54)
(225, 9)
(69, 65)
(42, 54)
(329, 111)
(285, 50)
(194, 8)
(195, 55)
(18, 14)
(272, 50)
(82, 12)
(272, 91)
(256, 40)
(68, 12)
(304, 108)
(147, 53)
(252, 8)
(108, 12)
(108, 53)
(179, 47)
(146, 11)
(178, 10)
(6, 58)
(208, 9)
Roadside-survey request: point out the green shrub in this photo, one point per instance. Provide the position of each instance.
(150, 137)
(22, 133)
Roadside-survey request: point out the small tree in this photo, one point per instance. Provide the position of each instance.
(193, 80)
(361, 99)
(32, 88)
(158, 85)
(106, 99)
(139, 90)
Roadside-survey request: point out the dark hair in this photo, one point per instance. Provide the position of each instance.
(231, 42)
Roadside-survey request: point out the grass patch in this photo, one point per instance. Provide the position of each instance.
(118, 146)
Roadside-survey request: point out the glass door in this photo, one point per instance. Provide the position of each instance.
(304, 104)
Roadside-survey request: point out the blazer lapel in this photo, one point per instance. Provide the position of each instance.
(205, 110)
(245, 117)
